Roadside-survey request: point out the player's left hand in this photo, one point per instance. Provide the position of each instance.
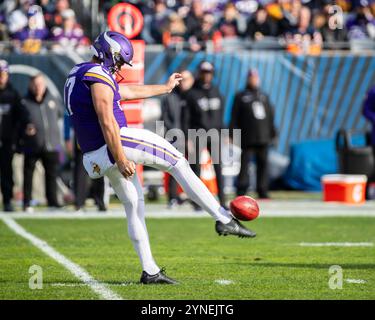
(173, 81)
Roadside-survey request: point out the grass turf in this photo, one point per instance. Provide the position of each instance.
(271, 266)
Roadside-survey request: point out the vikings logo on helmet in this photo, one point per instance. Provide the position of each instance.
(113, 49)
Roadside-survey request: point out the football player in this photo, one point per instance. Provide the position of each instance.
(112, 149)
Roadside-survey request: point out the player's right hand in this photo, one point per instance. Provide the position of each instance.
(173, 81)
(126, 168)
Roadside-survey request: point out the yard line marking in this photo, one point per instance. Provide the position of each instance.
(224, 282)
(356, 281)
(102, 290)
(336, 244)
(62, 284)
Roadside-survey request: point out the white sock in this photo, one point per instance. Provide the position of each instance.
(130, 194)
(138, 234)
(198, 192)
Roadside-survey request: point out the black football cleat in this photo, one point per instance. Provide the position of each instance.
(159, 278)
(235, 228)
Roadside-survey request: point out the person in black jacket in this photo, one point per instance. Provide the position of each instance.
(12, 117)
(44, 112)
(253, 114)
(205, 105)
(261, 25)
(174, 117)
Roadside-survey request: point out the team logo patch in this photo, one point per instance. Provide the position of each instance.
(95, 168)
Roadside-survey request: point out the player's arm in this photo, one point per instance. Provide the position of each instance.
(133, 92)
(102, 97)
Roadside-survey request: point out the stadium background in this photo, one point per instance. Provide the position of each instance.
(315, 94)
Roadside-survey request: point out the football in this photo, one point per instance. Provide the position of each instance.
(244, 208)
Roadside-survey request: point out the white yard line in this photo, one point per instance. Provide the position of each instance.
(336, 244)
(64, 284)
(102, 290)
(355, 281)
(224, 282)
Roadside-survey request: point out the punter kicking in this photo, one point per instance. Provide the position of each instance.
(110, 148)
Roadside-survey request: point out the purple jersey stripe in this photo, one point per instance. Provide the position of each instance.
(156, 151)
(143, 142)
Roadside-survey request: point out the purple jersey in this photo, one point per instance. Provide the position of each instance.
(79, 105)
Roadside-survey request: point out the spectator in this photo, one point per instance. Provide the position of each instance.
(260, 25)
(154, 23)
(44, 111)
(82, 184)
(183, 9)
(304, 38)
(54, 18)
(174, 115)
(194, 18)
(18, 19)
(47, 6)
(70, 35)
(331, 33)
(253, 114)
(228, 24)
(362, 24)
(12, 117)
(31, 36)
(175, 31)
(206, 107)
(206, 33)
(369, 113)
(304, 23)
(290, 12)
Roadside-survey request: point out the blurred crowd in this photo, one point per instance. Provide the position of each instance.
(27, 23)
(302, 24)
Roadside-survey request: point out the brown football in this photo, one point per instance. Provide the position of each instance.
(244, 208)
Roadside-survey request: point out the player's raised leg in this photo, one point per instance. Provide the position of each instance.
(147, 148)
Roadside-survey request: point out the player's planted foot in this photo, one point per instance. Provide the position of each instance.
(234, 227)
(159, 278)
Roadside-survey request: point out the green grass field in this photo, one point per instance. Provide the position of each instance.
(271, 266)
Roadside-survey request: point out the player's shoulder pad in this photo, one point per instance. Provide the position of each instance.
(98, 72)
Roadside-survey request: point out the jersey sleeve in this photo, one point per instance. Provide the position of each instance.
(98, 75)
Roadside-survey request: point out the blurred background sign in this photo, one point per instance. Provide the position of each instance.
(126, 19)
